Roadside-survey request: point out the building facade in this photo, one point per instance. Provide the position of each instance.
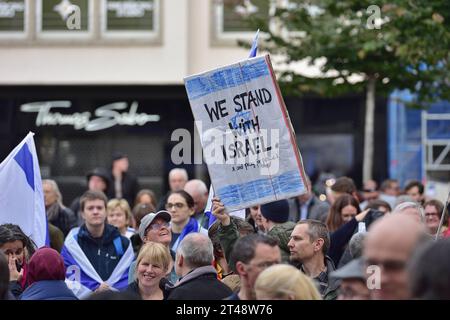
(91, 77)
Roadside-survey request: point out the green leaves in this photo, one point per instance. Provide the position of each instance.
(402, 37)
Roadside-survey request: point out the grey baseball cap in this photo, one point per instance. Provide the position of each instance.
(352, 270)
(148, 219)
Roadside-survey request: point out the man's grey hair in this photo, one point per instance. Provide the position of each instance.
(317, 229)
(409, 204)
(356, 244)
(197, 250)
(55, 188)
(198, 185)
(402, 199)
(181, 171)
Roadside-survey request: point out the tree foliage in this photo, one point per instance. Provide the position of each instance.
(401, 44)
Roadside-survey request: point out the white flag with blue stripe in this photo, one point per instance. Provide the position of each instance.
(254, 48)
(208, 209)
(21, 196)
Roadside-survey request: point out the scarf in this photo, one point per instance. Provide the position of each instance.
(82, 278)
(192, 226)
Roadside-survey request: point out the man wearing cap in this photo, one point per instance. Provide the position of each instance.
(275, 217)
(97, 180)
(353, 281)
(123, 185)
(155, 227)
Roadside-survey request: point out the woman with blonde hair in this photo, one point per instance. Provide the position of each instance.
(152, 265)
(285, 282)
(119, 215)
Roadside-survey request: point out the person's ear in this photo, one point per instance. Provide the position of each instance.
(180, 261)
(318, 244)
(240, 268)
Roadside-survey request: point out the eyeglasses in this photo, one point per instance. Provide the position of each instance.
(158, 226)
(177, 205)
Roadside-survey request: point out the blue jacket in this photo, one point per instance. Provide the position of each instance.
(48, 290)
(104, 253)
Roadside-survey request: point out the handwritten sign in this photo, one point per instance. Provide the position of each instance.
(247, 138)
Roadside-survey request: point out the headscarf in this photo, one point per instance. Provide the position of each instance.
(46, 264)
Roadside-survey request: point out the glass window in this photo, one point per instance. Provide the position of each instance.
(131, 19)
(64, 18)
(12, 18)
(231, 19)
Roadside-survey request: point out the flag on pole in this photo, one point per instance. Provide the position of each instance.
(21, 195)
(254, 48)
(208, 209)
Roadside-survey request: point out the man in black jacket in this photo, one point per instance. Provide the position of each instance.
(193, 264)
(101, 243)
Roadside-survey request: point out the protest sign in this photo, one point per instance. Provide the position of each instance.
(247, 138)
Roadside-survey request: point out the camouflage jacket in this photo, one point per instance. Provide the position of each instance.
(282, 233)
(228, 236)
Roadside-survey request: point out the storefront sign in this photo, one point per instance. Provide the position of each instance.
(106, 116)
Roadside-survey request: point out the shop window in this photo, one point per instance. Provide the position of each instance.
(64, 19)
(231, 19)
(100, 22)
(136, 19)
(13, 22)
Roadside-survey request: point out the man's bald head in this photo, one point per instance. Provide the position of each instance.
(199, 192)
(389, 245)
(412, 209)
(177, 179)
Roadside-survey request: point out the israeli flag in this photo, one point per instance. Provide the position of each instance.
(81, 276)
(208, 209)
(254, 48)
(21, 196)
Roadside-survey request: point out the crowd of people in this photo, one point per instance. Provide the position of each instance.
(118, 242)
